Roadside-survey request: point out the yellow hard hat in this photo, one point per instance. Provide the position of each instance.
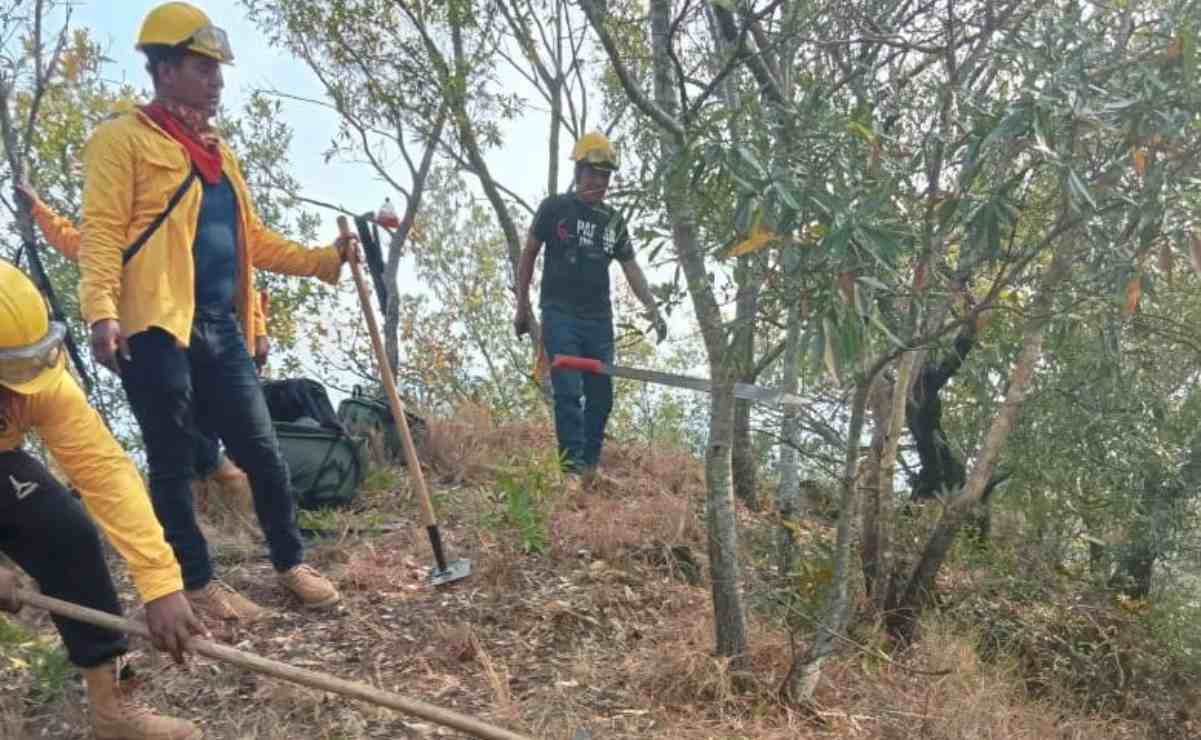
(175, 24)
(595, 149)
(31, 345)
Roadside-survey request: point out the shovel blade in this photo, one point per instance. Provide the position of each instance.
(454, 571)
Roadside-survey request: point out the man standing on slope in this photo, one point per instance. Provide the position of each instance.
(582, 236)
(45, 531)
(170, 243)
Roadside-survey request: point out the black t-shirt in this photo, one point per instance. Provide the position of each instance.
(580, 242)
(215, 251)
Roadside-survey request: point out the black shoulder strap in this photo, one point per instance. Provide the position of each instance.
(159, 219)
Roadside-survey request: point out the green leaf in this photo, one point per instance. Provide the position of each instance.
(873, 283)
(787, 195)
(829, 358)
(875, 318)
(880, 245)
(749, 158)
(744, 214)
(947, 209)
(1079, 190)
(1012, 123)
(835, 243)
(861, 131)
(1188, 56)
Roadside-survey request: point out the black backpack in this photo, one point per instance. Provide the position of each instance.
(296, 398)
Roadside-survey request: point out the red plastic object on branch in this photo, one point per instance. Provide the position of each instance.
(386, 216)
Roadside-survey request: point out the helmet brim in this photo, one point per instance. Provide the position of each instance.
(41, 381)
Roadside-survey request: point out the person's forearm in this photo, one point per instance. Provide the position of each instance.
(525, 274)
(642, 290)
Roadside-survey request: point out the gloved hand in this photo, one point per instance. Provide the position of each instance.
(521, 321)
(8, 591)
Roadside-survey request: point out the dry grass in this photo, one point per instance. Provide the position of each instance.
(608, 528)
(468, 447)
(601, 633)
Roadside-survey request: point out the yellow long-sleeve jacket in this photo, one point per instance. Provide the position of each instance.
(105, 477)
(61, 234)
(131, 169)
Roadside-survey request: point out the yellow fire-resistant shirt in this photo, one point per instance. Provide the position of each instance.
(131, 169)
(103, 474)
(61, 234)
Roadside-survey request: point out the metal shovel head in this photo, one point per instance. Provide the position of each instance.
(455, 571)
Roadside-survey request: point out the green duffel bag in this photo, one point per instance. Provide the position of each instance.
(325, 466)
(365, 415)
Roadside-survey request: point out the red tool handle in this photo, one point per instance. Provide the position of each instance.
(585, 364)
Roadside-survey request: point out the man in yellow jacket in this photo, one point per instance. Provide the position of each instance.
(169, 248)
(64, 236)
(45, 531)
(211, 464)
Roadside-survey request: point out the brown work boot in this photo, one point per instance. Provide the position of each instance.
(592, 479)
(219, 601)
(115, 717)
(313, 589)
(234, 487)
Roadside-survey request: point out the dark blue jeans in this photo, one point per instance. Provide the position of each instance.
(582, 400)
(208, 389)
(47, 532)
(207, 455)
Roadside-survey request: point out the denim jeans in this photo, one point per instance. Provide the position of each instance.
(207, 455)
(582, 400)
(208, 389)
(49, 535)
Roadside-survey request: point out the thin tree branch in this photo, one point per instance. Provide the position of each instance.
(661, 117)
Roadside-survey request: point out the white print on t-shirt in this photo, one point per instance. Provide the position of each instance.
(610, 237)
(22, 489)
(586, 231)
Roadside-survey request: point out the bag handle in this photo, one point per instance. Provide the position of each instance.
(159, 219)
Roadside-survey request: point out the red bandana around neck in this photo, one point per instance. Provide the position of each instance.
(190, 127)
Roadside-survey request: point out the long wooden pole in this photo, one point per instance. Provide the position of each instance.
(259, 664)
(385, 374)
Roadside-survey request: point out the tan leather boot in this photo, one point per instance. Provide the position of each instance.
(218, 601)
(234, 488)
(314, 590)
(116, 717)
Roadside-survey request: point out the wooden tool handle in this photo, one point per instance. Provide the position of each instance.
(385, 374)
(259, 664)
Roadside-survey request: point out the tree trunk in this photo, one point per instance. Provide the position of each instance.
(556, 115)
(743, 349)
(1136, 564)
(743, 462)
(919, 591)
(805, 672)
(454, 84)
(788, 494)
(873, 539)
(722, 525)
(397, 242)
(729, 620)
